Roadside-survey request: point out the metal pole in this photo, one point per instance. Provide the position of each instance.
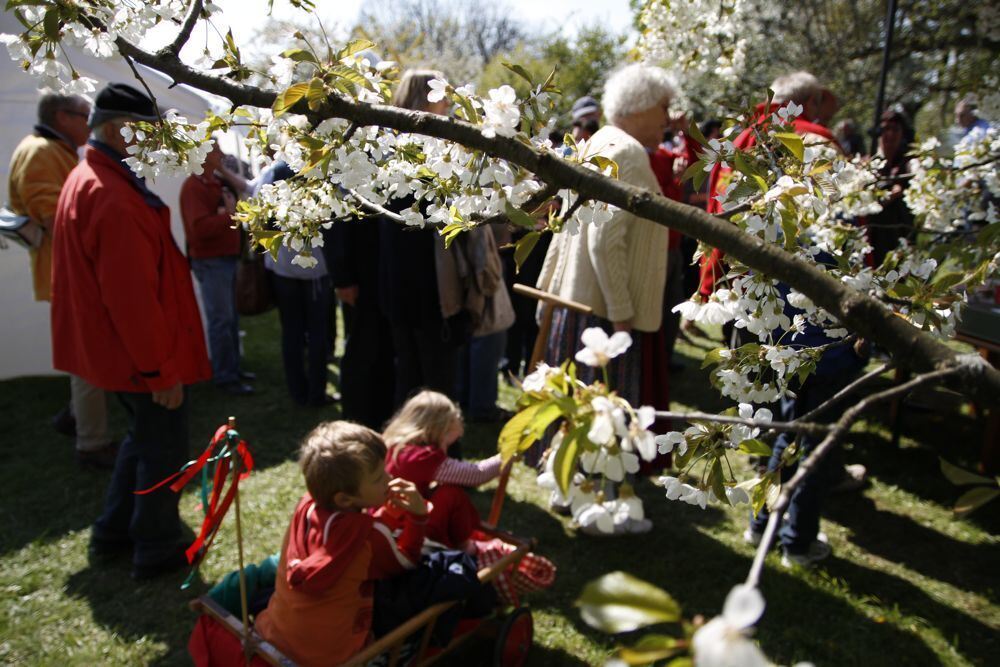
(890, 26)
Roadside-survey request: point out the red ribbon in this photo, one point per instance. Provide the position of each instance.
(216, 509)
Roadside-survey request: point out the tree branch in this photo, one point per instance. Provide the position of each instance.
(193, 14)
(838, 431)
(859, 312)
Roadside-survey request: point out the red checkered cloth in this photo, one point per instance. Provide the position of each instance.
(532, 573)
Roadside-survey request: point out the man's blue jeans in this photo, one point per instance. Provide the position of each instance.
(155, 447)
(478, 363)
(217, 279)
(801, 524)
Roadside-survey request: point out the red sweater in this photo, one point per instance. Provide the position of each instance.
(209, 233)
(124, 316)
(321, 610)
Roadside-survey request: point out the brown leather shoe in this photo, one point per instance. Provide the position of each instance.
(103, 458)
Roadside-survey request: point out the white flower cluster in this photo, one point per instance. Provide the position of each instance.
(617, 437)
(946, 194)
(128, 20)
(696, 38)
(174, 147)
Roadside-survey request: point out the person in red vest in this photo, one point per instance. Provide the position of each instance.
(818, 107)
(213, 244)
(124, 318)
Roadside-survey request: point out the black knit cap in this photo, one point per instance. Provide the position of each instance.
(118, 100)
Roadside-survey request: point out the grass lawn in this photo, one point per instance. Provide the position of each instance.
(908, 584)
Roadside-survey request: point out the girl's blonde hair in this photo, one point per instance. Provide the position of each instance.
(424, 419)
(413, 88)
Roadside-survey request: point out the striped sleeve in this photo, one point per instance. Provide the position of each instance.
(463, 473)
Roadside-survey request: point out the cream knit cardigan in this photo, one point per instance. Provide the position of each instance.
(618, 267)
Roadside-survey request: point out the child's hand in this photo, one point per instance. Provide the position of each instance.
(404, 495)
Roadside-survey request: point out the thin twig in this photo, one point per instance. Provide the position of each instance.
(531, 205)
(135, 71)
(375, 208)
(194, 13)
(846, 391)
(839, 430)
(797, 426)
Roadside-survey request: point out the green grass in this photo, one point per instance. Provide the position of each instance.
(908, 584)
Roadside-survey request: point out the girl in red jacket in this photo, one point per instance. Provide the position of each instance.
(418, 437)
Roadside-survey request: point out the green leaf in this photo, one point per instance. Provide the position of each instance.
(742, 165)
(350, 74)
(755, 447)
(520, 71)
(519, 217)
(693, 170)
(51, 24)
(717, 481)
(713, 357)
(300, 56)
(316, 94)
(512, 432)
(524, 246)
(356, 46)
(287, 98)
(603, 163)
(450, 232)
(650, 649)
(974, 499)
(567, 455)
(961, 477)
(527, 426)
(695, 132)
(792, 142)
(619, 602)
(947, 279)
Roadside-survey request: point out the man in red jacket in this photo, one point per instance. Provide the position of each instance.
(213, 245)
(124, 318)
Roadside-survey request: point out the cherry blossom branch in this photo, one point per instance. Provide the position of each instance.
(193, 14)
(797, 426)
(839, 429)
(375, 208)
(859, 312)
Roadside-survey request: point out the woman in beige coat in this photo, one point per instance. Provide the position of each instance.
(617, 267)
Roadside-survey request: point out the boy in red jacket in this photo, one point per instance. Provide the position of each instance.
(334, 550)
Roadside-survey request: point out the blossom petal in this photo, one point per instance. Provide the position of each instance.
(744, 606)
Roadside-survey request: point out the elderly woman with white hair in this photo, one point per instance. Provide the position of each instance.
(617, 267)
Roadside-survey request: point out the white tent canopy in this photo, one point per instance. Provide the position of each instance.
(24, 332)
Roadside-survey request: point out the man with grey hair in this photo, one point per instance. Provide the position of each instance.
(818, 104)
(968, 123)
(38, 168)
(124, 318)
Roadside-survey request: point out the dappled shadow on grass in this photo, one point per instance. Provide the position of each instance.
(902, 540)
(980, 643)
(154, 610)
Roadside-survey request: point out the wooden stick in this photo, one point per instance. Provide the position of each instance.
(500, 494)
(549, 302)
(244, 607)
(545, 297)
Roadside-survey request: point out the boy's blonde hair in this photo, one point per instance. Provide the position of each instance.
(424, 419)
(336, 456)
